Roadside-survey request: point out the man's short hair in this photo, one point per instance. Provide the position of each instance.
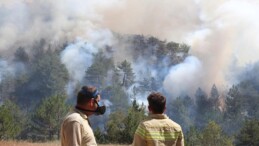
(86, 94)
(156, 102)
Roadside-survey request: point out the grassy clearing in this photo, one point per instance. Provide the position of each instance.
(24, 143)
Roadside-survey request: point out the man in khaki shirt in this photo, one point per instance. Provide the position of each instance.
(158, 129)
(76, 129)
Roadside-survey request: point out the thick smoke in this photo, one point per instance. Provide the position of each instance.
(23, 22)
(226, 40)
(77, 57)
(3, 69)
(10, 69)
(222, 34)
(182, 77)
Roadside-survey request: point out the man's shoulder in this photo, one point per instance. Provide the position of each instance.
(74, 117)
(175, 125)
(161, 123)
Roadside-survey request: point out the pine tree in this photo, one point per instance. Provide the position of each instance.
(249, 134)
(181, 110)
(47, 77)
(121, 126)
(47, 118)
(21, 55)
(97, 73)
(234, 110)
(193, 137)
(212, 135)
(115, 126)
(11, 120)
(128, 76)
(131, 121)
(202, 106)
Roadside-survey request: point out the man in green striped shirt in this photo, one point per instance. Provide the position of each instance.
(158, 129)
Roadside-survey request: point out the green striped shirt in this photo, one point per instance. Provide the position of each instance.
(158, 129)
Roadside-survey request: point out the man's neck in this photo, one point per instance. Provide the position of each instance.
(83, 110)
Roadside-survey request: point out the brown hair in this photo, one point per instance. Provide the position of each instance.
(156, 102)
(85, 94)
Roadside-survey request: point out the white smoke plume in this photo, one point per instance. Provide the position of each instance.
(76, 57)
(10, 69)
(219, 32)
(3, 69)
(182, 77)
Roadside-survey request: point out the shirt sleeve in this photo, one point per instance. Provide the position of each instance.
(140, 136)
(73, 134)
(180, 140)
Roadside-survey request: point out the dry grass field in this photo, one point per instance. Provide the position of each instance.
(24, 143)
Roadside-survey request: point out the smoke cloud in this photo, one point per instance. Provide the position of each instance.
(182, 77)
(222, 34)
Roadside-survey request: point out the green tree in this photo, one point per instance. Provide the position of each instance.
(115, 80)
(128, 76)
(139, 45)
(234, 109)
(202, 106)
(136, 113)
(161, 51)
(47, 118)
(21, 55)
(249, 90)
(97, 73)
(38, 48)
(148, 83)
(100, 136)
(172, 47)
(214, 93)
(119, 98)
(115, 126)
(50, 74)
(249, 134)
(184, 48)
(250, 96)
(214, 108)
(177, 52)
(11, 120)
(47, 77)
(121, 126)
(212, 135)
(181, 110)
(7, 85)
(193, 137)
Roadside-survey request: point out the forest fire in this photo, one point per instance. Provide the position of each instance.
(204, 61)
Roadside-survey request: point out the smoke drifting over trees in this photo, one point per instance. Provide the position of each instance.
(220, 35)
(128, 48)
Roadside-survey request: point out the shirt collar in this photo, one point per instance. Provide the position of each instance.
(157, 116)
(80, 112)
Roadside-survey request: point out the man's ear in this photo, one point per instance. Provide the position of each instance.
(164, 109)
(149, 109)
(92, 102)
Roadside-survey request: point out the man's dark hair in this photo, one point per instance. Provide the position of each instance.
(86, 94)
(156, 102)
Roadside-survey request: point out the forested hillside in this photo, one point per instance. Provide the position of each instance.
(38, 88)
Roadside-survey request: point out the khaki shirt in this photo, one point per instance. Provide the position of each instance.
(76, 130)
(158, 130)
